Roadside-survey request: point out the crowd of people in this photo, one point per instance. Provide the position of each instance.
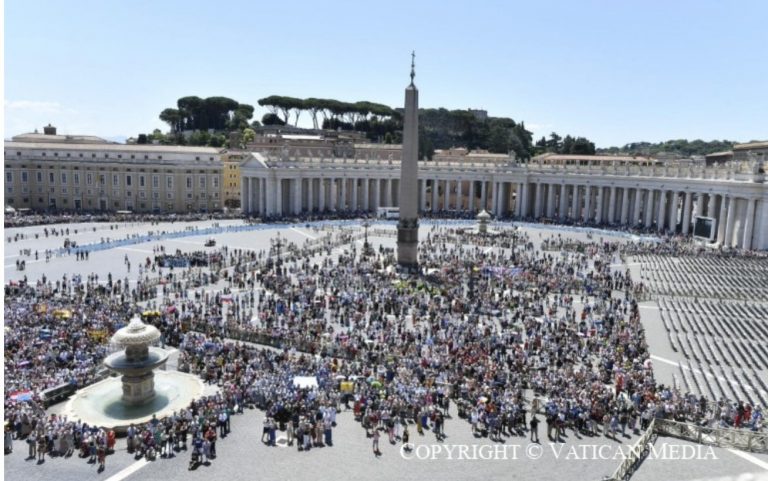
(504, 331)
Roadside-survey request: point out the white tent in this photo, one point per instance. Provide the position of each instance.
(305, 382)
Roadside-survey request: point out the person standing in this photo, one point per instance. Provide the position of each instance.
(376, 442)
(534, 429)
(32, 443)
(8, 439)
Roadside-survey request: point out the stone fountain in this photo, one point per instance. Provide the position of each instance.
(138, 362)
(140, 392)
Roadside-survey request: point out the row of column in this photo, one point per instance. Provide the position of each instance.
(295, 195)
(661, 209)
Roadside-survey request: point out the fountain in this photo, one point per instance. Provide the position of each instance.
(137, 362)
(141, 392)
(482, 222)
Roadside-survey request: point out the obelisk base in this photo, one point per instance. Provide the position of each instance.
(408, 243)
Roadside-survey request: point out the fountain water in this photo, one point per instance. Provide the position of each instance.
(141, 392)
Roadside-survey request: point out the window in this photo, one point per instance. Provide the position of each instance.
(51, 178)
(141, 181)
(63, 177)
(115, 180)
(76, 179)
(155, 195)
(155, 181)
(102, 179)
(9, 177)
(189, 182)
(63, 190)
(128, 180)
(169, 181)
(128, 193)
(40, 177)
(169, 195)
(89, 178)
(215, 182)
(202, 182)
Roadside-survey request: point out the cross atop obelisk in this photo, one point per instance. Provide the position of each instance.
(408, 226)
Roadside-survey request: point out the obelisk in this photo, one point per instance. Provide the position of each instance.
(408, 226)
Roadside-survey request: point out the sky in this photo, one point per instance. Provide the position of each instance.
(612, 71)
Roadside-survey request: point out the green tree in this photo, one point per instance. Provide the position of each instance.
(272, 119)
(248, 135)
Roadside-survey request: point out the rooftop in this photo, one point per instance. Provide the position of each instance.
(53, 138)
(148, 148)
(625, 158)
(751, 145)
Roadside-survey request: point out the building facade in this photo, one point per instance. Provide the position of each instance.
(230, 177)
(598, 190)
(64, 173)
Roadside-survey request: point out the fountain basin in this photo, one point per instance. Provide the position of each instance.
(121, 363)
(102, 404)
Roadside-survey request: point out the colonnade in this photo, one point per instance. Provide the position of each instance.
(665, 205)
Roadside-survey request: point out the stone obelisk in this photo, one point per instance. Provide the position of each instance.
(408, 226)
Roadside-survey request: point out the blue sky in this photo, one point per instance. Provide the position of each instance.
(613, 71)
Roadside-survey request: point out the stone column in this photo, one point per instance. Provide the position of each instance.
(612, 205)
(484, 195)
(576, 203)
(661, 216)
(698, 205)
(296, 195)
(722, 219)
(376, 194)
(730, 222)
(472, 196)
(494, 198)
(624, 205)
(388, 193)
(650, 194)
(334, 195)
(687, 212)
(446, 194)
(673, 211)
(550, 207)
(354, 205)
(435, 194)
(537, 201)
(321, 194)
(599, 213)
(263, 197)
(343, 200)
(245, 194)
(506, 193)
(710, 211)
(367, 194)
(749, 225)
(563, 208)
(526, 198)
(423, 197)
(588, 201)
